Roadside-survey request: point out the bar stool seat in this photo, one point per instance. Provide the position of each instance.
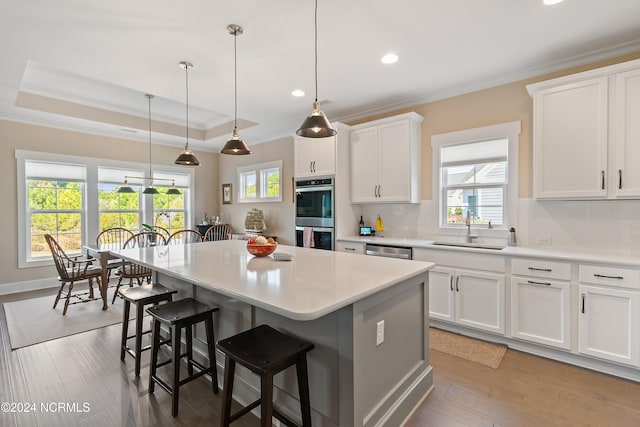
(140, 296)
(266, 352)
(178, 315)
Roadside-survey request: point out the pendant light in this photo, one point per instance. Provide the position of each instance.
(235, 145)
(316, 125)
(187, 158)
(150, 189)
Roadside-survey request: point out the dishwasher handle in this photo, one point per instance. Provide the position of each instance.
(388, 254)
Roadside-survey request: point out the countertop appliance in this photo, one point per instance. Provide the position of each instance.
(399, 252)
(315, 201)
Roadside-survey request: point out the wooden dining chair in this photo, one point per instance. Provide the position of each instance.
(165, 233)
(113, 238)
(184, 237)
(71, 270)
(218, 232)
(130, 270)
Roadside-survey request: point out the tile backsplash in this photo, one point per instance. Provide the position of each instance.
(611, 226)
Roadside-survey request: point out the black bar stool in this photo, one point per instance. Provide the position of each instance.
(265, 352)
(177, 315)
(140, 296)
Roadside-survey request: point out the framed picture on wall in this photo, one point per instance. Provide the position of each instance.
(226, 194)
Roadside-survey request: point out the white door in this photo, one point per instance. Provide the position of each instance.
(626, 134)
(479, 300)
(394, 166)
(540, 311)
(609, 324)
(570, 141)
(441, 294)
(364, 165)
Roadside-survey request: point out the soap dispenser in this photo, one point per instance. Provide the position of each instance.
(512, 237)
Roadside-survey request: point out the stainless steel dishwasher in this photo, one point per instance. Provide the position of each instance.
(399, 252)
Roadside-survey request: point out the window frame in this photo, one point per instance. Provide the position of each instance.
(91, 223)
(510, 131)
(260, 170)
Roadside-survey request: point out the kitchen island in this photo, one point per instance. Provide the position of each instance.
(368, 319)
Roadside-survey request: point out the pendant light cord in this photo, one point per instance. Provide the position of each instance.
(316, 46)
(150, 171)
(235, 80)
(186, 85)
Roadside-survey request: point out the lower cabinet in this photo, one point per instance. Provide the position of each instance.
(466, 297)
(541, 301)
(541, 311)
(609, 324)
(350, 247)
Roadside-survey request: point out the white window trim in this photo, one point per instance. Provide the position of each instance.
(258, 168)
(509, 130)
(91, 223)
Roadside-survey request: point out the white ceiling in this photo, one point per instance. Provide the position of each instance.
(85, 64)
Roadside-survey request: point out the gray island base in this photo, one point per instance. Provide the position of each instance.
(336, 300)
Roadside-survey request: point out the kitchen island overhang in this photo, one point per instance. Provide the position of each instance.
(335, 300)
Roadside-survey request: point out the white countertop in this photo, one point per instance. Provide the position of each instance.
(512, 251)
(316, 282)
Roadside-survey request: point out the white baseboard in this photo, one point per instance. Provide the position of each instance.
(30, 285)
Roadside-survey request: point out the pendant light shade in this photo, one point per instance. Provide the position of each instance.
(126, 188)
(187, 158)
(316, 125)
(151, 190)
(173, 189)
(235, 145)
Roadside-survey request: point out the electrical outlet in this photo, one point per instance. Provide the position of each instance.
(379, 332)
(543, 241)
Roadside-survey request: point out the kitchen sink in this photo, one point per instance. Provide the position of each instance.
(470, 245)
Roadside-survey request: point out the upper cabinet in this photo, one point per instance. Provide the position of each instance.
(385, 160)
(585, 141)
(314, 156)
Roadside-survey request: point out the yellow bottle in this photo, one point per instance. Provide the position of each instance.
(379, 225)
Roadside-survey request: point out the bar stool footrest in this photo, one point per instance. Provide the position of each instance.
(244, 410)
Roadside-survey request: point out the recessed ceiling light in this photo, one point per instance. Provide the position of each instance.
(298, 93)
(389, 58)
(551, 2)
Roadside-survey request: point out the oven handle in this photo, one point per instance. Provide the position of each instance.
(314, 188)
(321, 229)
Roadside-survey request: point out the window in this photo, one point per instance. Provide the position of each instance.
(55, 198)
(260, 183)
(73, 198)
(169, 210)
(476, 176)
(117, 209)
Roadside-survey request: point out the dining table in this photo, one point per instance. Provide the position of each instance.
(102, 254)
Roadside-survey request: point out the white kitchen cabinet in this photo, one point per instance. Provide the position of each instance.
(463, 296)
(314, 156)
(385, 160)
(586, 138)
(350, 247)
(626, 131)
(541, 305)
(609, 317)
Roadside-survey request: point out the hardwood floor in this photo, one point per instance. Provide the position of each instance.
(524, 391)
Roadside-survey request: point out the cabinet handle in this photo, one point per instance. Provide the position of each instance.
(548, 270)
(310, 166)
(602, 175)
(583, 298)
(350, 249)
(608, 277)
(379, 192)
(451, 283)
(457, 280)
(532, 282)
(314, 166)
(619, 179)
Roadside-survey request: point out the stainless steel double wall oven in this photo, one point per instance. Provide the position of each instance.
(315, 204)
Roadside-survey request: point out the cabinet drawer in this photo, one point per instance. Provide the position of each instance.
(350, 247)
(462, 259)
(609, 276)
(541, 268)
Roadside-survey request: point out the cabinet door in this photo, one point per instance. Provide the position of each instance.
(540, 311)
(394, 167)
(626, 134)
(570, 141)
(364, 165)
(441, 295)
(479, 300)
(314, 156)
(609, 324)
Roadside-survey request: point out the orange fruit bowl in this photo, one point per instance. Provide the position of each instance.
(261, 250)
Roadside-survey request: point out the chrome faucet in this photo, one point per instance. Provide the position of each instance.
(469, 237)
